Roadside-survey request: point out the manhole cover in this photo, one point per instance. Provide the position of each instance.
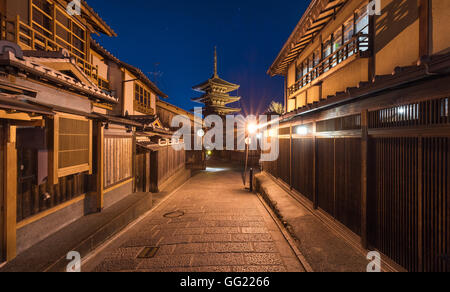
(148, 253)
(175, 214)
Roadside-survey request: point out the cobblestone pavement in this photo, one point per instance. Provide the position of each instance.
(224, 229)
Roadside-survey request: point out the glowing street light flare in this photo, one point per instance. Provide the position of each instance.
(302, 131)
(200, 133)
(252, 128)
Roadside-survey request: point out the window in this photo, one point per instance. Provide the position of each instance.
(327, 51)
(348, 30)
(362, 21)
(298, 72)
(337, 44)
(118, 160)
(56, 24)
(142, 98)
(72, 144)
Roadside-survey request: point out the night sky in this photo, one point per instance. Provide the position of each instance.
(175, 39)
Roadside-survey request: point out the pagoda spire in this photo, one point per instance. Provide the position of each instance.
(215, 62)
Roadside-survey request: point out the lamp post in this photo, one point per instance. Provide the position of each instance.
(252, 130)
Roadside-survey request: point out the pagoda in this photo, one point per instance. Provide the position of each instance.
(216, 94)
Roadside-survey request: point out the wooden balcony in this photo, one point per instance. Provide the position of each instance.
(29, 38)
(142, 108)
(357, 45)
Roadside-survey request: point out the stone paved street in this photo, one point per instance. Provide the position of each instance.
(224, 229)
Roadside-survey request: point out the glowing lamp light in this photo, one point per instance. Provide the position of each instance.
(200, 133)
(273, 133)
(401, 110)
(252, 128)
(209, 153)
(302, 131)
(248, 141)
(259, 136)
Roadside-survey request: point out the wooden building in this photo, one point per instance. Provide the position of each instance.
(70, 117)
(366, 138)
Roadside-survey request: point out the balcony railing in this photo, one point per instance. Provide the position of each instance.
(21, 33)
(142, 108)
(359, 43)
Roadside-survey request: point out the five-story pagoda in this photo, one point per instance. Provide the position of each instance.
(216, 94)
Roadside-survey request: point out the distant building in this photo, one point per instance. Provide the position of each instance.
(216, 94)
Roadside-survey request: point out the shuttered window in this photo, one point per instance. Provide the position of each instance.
(72, 145)
(118, 160)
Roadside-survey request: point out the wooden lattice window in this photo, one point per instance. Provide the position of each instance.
(118, 160)
(142, 99)
(72, 145)
(53, 24)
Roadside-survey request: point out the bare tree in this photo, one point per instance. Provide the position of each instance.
(276, 108)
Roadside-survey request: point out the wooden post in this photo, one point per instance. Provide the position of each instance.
(372, 58)
(154, 172)
(2, 214)
(420, 204)
(424, 28)
(148, 166)
(290, 157)
(100, 166)
(315, 197)
(10, 193)
(134, 162)
(364, 178)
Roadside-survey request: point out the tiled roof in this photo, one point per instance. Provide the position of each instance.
(32, 66)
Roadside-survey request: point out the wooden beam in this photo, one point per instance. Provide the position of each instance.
(100, 167)
(315, 174)
(420, 206)
(10, 192)
(424, 28)
(372, 61)
(290, 157)
(364, 177)
(14, 116)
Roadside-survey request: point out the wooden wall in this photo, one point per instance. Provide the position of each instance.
(408, 177)
(118, 159)
(165, 163)
(33, 199)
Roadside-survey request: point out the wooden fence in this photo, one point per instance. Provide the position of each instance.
(390, 186)
(165, 163)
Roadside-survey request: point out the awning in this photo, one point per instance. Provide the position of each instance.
(118, 120)
(15, 104)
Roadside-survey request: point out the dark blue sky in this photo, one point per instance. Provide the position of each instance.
(180, 35)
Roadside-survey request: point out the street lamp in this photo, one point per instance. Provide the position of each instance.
(302, 131)
(252, 128)
(200, 133)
